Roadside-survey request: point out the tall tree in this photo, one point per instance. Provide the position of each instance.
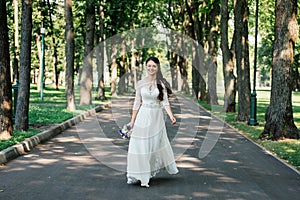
(99, 37)
(279, 115)
(54, 46)
(241, 14)
(212, 38)
(16, 41)
(113, 69)
(228, 62)
(87, 68)
(6, 123)
(69, 51)
(22, 110)
(196, 33)
(266, 31)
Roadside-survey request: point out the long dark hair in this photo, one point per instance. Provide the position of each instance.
(160, 80)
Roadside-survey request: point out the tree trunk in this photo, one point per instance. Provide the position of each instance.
(242, 59)
(122, 70)
(113, 69)
(100, 70)
(228, 63)
(22, 111)
(213, 19)
(87, 69)
(16, 41)
(195, 73)
(69, 50)
(192, 11)
(133, 65)
(100, 55)
(203, 68)
(279, 115)
(6, 123)
(174, 70)
(54, 46)
(212, 97)
(183, 72)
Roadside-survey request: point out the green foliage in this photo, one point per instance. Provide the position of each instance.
(49, 111)
(79, 29)
(266, 36)
(41, 114)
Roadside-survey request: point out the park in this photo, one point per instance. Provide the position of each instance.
(69, 72)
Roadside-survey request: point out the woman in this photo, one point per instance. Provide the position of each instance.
(149, 147)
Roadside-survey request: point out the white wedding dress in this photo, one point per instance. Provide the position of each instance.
(149, 147)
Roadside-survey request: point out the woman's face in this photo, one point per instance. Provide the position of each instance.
(151, 67)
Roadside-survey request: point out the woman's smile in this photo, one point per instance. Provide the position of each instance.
(151, 67)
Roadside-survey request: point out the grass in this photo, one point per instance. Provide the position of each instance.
(18, 137)
(288, 150)
(51, 110)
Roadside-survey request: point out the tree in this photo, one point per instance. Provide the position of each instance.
(16, 42)
(22, 109)
(212, 38)
(99, 37)
(69, 51)
(279, 115)
(199, 70)
(6, 123)
(54, 46)
(241, 14)
(87, 68)
(228, 63)
(266, 32)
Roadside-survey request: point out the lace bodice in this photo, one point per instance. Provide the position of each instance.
(147, 93)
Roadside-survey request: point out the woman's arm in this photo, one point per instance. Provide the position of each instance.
(167, 106)
(133, 116)
(169, 112)
(136, 104)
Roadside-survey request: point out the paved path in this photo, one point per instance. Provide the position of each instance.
(88, 161)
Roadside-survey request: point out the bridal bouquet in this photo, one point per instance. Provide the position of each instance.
(125, 132)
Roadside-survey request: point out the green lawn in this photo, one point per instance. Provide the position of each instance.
(50, 110)
(288, 150)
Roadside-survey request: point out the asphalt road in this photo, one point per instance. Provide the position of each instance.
(88, 161)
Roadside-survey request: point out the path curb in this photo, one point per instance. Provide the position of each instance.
(27, 145)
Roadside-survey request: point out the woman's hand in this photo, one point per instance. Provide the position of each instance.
(169, 112)
(130, 124)
(173, 120)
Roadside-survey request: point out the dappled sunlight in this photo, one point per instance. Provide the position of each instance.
(225, 179)
(205, 117)
(175, 196)
(189, 162)
(187, 116)
(43, 161)
(78, 159)
(231, 161)
(201, 194)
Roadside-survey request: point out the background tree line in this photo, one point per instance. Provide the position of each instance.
(75, 28)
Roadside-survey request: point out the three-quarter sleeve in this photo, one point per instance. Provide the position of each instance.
(138, 98)
(165, 101)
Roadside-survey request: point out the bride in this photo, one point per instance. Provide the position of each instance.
(149, 148)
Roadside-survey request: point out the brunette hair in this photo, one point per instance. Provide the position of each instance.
(160, 80)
